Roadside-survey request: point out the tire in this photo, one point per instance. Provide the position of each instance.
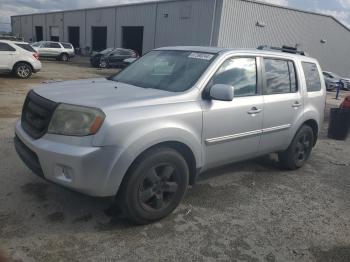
(103, 64)
(154, 186)
(299, 150)
(64, 57)
(23, 70)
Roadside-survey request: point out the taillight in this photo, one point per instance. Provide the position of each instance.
(36, 56)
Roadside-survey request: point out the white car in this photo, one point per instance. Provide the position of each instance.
(60, 51)
(18, 58)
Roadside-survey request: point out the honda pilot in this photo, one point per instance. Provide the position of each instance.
(144, 134)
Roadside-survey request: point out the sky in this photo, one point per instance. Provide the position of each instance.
(337, 8)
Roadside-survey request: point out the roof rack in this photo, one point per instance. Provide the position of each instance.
(286, 49)
(10, 38)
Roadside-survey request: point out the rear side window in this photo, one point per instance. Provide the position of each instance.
(6, 47)
(280, 77)
(68, 46)
(26, 47)
(239, 73)
(312, 77)
(54, 45)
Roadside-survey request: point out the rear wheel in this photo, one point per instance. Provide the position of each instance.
(154, 186)
(23, 70)
(64, 57)
(299, 150)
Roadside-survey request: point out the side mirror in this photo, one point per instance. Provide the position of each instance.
(222, 92)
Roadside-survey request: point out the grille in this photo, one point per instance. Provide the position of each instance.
(346, 84)
(36, 114)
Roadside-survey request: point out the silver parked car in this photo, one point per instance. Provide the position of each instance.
(58, 50)
(332, 79)
(144, 134)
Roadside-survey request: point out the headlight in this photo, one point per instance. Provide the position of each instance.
(74, 120)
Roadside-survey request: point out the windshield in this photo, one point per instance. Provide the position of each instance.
(36, 44)
(174, 71)
(332, 75)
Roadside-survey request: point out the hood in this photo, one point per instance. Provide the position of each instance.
(105, 94)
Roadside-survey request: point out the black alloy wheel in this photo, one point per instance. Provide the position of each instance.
(159, 187)
(299, 150)
(154, 185)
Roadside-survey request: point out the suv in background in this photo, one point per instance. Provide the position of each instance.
(60, 51)
(145, 133)
(112, 57)
(18, 58)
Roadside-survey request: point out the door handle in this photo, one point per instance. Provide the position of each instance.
(296, 104)
(254, 111)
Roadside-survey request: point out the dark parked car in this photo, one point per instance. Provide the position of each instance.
(112, 57)
(96, 56)
(332, 78)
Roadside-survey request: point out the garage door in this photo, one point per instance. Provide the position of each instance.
(54, 33)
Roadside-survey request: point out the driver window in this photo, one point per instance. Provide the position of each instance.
(241, 73)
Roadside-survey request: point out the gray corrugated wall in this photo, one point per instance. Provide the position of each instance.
(286, 27)
(27, 27)
(39, 20)
(138, 15)
(16, 25)
(184, 23)
(76, 18)
(54, 20)
(100, 17)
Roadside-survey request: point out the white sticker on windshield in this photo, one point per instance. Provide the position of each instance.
(202, 56)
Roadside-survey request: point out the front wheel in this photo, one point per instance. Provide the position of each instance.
(103, 64)
(23, 70)
(299, 150)
(154, 186)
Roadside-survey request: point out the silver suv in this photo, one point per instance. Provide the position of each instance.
(58, 50)
(144, 134)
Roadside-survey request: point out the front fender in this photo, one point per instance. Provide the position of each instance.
(143, 140)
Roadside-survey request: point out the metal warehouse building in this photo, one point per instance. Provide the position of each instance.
(225, 23)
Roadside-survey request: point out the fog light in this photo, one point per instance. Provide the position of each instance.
(64, 173)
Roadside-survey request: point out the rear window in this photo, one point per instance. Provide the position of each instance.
(52, 45)
(280, 77)
(312, 77)
(26, 47)
(68, 46)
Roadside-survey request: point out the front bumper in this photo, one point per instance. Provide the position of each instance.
(332, 85)
(85, 169)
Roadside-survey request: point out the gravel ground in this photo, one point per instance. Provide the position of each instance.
(251, 211)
